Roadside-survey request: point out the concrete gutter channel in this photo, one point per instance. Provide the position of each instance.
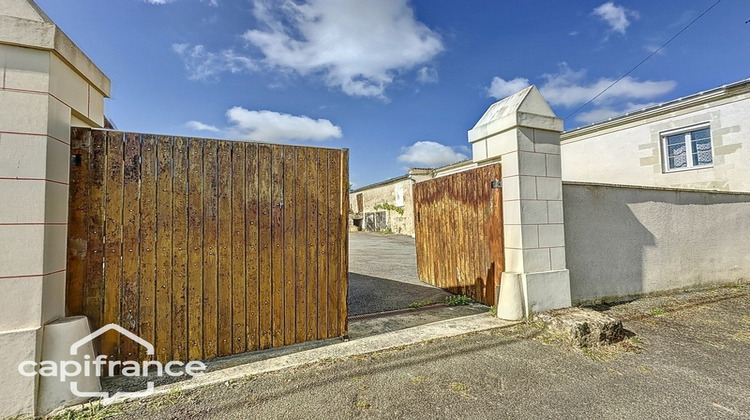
(363, 342)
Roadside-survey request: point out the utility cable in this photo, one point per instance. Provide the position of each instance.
(643, 61)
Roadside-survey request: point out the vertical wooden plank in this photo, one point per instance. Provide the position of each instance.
(448, 269)
(195, 249)
(323, 232)
(300, 218)
(129, 350)
(312, 244)
(496, 235)
(427, 217)
(113, 243)
(210, 252)
(334, 240)
(78, 209)
(343, 219)
(448, 251)
(471, 226)
(225, 248)
(180, 250)
(94, 284)
(290, 206)
(483, 206)
(465, 243)
(252, 247)
(264, 226)
(147, 298)
(277, 244)
(239, 298)
(435, 208)
(479, 188)
(164, 236)
(427, 211)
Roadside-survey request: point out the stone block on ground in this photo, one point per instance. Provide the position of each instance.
(583, 327)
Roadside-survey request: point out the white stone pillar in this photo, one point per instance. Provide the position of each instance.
(46, 83)
(524, 134)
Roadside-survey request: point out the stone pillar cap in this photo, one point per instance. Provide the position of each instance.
(23, 23)
(526, 108)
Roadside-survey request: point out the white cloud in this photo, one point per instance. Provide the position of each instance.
(204, 65)
(501, 88)
(601, 114)
(427, 75)
(568, 88)
(430, 154)
(615, 16)
(199, 126)
(359, 46)
(270, 126)
(213, 3)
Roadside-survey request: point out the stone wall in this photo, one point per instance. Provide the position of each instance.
(387, 193)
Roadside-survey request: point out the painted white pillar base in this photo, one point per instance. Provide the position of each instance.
(511, 303)
(522, 294)
(546, 290)
(57, 338)
(18, 392)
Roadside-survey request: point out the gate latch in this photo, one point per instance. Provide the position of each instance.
(497, 184)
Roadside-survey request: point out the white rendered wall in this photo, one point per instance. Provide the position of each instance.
(630, 154)
(623, 241)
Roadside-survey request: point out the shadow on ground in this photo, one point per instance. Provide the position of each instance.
(369, 294)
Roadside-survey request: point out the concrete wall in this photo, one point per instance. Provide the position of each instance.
(627, 150)
(624, 241)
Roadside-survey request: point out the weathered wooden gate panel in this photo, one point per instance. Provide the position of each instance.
(459, 232)
(206, 248)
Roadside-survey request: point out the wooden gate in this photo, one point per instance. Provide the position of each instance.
(206, 248)
(459, 232)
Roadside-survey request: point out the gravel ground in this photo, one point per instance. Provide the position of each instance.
(688, 359)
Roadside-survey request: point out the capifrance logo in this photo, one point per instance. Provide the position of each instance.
(67, 369)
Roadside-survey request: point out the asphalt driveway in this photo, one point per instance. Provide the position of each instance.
(383, 274)
(687, 360)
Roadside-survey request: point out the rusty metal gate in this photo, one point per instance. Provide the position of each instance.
(206, 248)
(459, 232)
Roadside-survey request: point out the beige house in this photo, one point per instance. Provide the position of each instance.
(701, 141)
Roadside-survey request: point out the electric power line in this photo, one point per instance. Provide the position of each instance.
(644, 60)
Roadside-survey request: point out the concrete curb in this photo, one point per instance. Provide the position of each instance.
(441, 329)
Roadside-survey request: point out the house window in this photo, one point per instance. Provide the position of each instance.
(688, 148)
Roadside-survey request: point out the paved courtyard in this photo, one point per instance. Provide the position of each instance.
(383, 274)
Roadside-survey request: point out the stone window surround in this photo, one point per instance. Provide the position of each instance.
(688, 149)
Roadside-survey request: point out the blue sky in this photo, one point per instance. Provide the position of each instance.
(397, 82)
